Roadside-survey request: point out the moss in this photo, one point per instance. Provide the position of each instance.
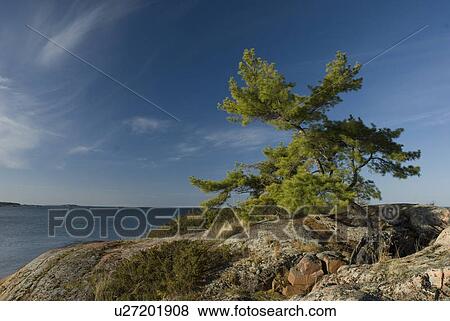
(174, 270)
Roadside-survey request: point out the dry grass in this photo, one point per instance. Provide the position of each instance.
(307, 247)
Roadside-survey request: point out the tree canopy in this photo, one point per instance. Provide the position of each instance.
(323, 162)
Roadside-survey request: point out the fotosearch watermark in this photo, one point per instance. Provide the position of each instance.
(328, 224)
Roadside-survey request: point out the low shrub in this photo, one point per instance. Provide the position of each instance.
(175, 270)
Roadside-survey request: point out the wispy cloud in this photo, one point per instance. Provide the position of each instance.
(144, 125)
(15, 139)
(4, 83)
(427, 119)
(70, 36)
(82, 149)
(96, 145)
(18, 133)
(4, 80)
(71, 30)
(244, 139)
(184, 150)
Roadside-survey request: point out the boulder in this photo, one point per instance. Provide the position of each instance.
(306, 281)
(291, 290)
(333, 260)
(424, 275)
(444, 238)
(308, 265)
(370, 248)
(399, 230)
(305, 274)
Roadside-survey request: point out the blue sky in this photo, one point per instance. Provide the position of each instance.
(71, 135)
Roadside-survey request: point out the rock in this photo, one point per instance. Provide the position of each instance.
(435, 277)
(445, 288)
(334, 264)
(305, 281)
(423, 275)
(333, 260)
(338, 293)
(399, 231)
(290, 290)
(370, 248)
(444, 238)
(306, 273)
(308, 265)
(438, 279)
(260, 264)
(240, 282)
(67, 273)
(429, 221)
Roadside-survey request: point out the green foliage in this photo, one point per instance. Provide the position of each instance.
(174, 270)
(323, 163)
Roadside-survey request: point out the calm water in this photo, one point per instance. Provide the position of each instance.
(23, 236)
(24, 232)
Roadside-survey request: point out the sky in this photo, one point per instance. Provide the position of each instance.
(70, 134)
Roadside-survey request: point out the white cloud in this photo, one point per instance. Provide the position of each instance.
(427, 119)
(174, 158)
(82, 149)
(72, 29)
(184, 148)
(70, 36)
(95, 146)
(4, 80)
(19, 132)
(244, 137)
(15, 139)
(4, 83)
(144, 125)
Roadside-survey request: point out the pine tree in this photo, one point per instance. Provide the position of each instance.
(322, 164)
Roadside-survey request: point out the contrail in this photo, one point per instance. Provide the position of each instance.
(110, 77)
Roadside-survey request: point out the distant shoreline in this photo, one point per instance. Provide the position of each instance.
(14, 204)
(10, 204)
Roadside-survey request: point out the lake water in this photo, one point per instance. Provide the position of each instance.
(24, 236)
